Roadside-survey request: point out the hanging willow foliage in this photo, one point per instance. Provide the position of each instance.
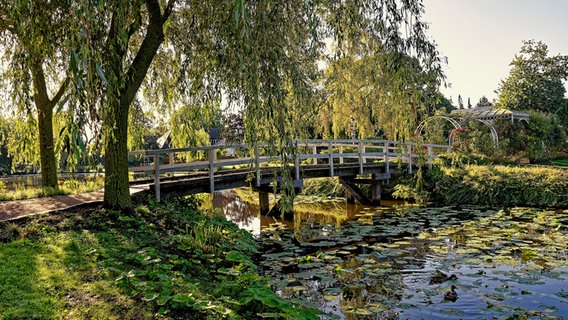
(262, 56)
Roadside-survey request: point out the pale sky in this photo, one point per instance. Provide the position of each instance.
(481, 37)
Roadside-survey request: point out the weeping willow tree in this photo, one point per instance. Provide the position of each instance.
(33, 68)
(191, 125)
(371, 89)
(261, 56)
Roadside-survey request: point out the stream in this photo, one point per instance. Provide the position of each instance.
(397, 262)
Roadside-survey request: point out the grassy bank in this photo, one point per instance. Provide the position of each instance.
(167, 261)
(65, 187)
(500, 186)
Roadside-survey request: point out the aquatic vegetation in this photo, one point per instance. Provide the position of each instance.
(383, 266)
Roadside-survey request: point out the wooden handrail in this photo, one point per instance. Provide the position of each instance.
(362, 150)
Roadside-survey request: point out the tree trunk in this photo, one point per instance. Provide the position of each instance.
(44, 108)
(117, 188)
(48, 164)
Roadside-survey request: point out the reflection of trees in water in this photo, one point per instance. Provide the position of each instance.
(235, 208)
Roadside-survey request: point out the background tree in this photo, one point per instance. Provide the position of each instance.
(442, 103)
(544, 137)
(233, 128)
(483, 102)
(377, 90)
(22, 143)
(535, 81)
(143, 129)
(33, 35)
(191, 124)
(460, 102)
(5, 159)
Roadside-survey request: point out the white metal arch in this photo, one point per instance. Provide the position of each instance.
(457, 125)
(494, 134)
(454, 123)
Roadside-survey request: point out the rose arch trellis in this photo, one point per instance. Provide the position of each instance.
(457, 125)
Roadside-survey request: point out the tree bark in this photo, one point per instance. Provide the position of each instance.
(44, 108)
(117, 189)
(48, 164)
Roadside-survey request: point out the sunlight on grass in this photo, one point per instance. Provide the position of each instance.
(20, 295)
(65, 187)
(58, 277)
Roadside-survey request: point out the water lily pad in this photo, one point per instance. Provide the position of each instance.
(495, 296)
(562, 294)
(452, 312)
(549, 309)
(331, 297)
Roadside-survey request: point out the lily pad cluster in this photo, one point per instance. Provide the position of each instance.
(381, 265)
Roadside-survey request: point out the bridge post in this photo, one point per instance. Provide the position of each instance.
(263, 202)
(375, 189)
(386, 154)
(297, 167)
(314, 152)
(257, 164)
(341, 154)
(212, 154)
(360, 157)
(429, 157)
(157, 176)
(410, 158)
(330, 151)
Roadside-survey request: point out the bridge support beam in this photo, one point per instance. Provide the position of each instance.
(376, 191)
(278, 208)
(263, 202)
(355, 193)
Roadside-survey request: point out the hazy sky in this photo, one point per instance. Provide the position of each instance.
(481, 37)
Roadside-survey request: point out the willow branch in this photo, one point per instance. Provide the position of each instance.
(61, 91)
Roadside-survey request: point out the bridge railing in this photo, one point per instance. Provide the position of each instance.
(208, 160)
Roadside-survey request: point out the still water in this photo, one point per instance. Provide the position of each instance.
(397, 262)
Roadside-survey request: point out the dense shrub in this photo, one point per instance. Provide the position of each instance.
(501, 186)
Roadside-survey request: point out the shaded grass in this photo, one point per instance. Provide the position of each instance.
(562, 162)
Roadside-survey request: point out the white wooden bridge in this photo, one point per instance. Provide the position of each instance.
(218, 167)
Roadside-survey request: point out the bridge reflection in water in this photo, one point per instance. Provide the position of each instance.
(247, 215)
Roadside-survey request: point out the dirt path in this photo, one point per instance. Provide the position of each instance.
(10, 210)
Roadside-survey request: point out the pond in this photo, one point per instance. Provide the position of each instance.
(397, 262)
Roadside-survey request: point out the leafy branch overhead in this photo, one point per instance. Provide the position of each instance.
(265, 58)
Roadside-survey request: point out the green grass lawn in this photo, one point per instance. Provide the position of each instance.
(161, 261)
(58, 277)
